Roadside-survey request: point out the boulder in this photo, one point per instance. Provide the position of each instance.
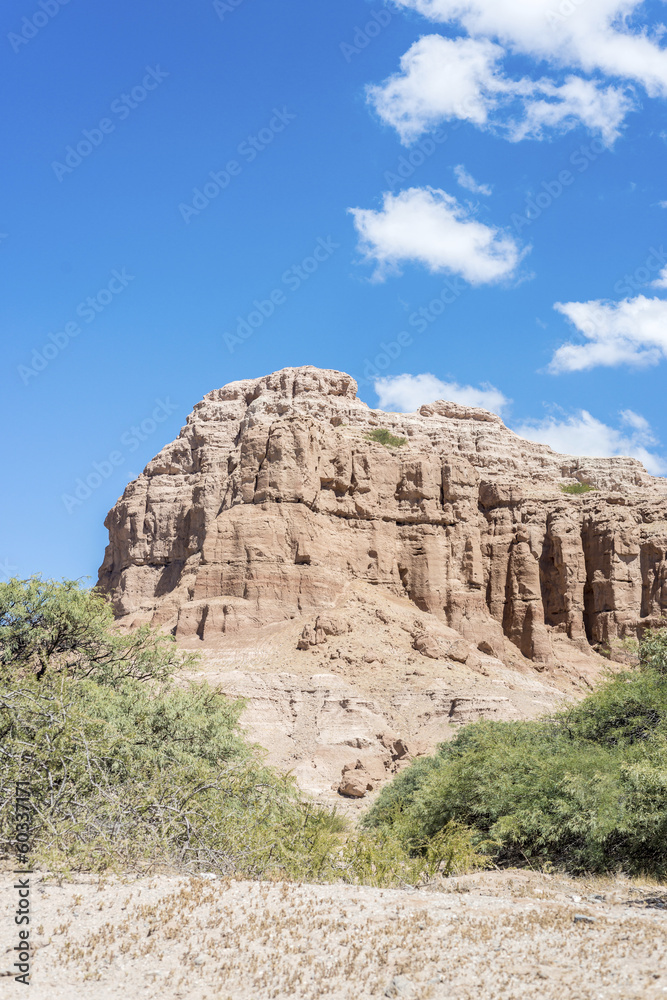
(356, 781)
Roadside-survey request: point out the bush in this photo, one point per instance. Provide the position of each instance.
(392, 854)
(117, 774)
(576, 488)
(653, 649)
(127, 779)
(586, 791)
(130, 772)
(49, 625)
(385, 437)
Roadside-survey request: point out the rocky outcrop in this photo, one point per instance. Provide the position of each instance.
(356, 781)
(274, 500)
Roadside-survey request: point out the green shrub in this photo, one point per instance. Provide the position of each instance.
(126, 778)
(50, 625)
(576, 488)
(130, 772)
(653, 649)
(392, 854)
(586, 790)
(395, 797)
(385, 437)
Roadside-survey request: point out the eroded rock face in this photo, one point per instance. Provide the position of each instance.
(273, 500)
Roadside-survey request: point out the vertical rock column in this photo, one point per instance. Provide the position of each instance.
(563, 575)
(614, 578)
(523, 620)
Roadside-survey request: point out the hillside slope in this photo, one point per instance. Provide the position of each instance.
(352, 588)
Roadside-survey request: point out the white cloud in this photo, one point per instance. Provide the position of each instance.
(639, 423)
(663, 204)
(575, 434)
(576, 101)
(633, 332)
(661, 280)
(581, 434)
(597, 36)
(406, 393)
(430, 227)
(467, 181)
(442, 78)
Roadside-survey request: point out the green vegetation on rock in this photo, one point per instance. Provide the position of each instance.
(575, 489)
(585, 791)
(385, 437)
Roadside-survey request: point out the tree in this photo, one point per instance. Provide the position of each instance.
(51, 625)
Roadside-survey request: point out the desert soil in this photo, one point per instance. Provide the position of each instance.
(501, 935)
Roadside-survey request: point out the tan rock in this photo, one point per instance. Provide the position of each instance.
(401, 749)
(272, 499)
(316, 635)
(475, 708)
(394, 744)
(356, 781)
(459, 651)
(428, 645)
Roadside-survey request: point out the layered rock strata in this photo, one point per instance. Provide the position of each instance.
(274, 499)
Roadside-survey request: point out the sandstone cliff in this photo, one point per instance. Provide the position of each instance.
(272, 500)
(273, 508)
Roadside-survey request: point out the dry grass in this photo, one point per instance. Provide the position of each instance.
(500, 935)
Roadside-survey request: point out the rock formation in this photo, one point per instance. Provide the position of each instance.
(273, 499)
(275, 509)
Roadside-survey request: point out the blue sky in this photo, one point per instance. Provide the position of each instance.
(197, 194)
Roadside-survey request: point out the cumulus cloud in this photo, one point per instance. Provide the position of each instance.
(442, 78)
(632, 332)
(467, 181)
(430, 227)
(584, 435)
(661, 280)
(595, 36)
(406, 393)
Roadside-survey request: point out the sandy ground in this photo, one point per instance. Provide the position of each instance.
(492, 935)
